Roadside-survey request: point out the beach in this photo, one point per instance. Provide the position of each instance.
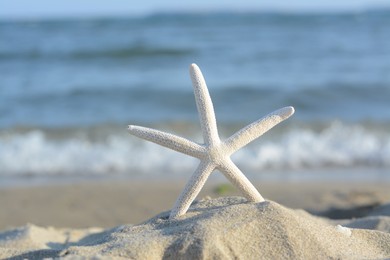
(74, 184)
(81, 209)
(107, 204)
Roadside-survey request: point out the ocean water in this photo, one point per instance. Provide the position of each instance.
(69, 88)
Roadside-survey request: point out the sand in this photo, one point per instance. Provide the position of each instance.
(111, 203)
(221, 227)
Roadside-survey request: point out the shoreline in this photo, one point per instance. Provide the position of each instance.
(331, 175)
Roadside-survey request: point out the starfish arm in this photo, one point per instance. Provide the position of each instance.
(204, 106)
(230, 170)
(171, 141)
(191, 189)
(256, 129)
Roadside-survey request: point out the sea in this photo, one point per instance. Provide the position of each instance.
(70, 87)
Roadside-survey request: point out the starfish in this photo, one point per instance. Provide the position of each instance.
(214, 153)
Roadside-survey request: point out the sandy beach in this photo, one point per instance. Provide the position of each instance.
(293, 99)
(129, 219)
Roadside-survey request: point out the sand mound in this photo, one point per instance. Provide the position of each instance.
(219, 228)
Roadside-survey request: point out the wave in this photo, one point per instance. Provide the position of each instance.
(332, 91)
(337, 145)
(233, 104)
(113, 53)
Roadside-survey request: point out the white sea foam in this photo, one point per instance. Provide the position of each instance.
(337, 145)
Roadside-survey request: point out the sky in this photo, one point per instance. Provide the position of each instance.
(25, 9)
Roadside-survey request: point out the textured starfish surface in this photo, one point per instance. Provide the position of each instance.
(214, 153)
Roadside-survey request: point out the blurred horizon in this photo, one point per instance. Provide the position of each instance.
(195, 13)
(88, 9)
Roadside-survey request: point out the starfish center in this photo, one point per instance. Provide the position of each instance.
(216, 154)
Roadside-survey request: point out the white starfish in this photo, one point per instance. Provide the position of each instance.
(214, 153)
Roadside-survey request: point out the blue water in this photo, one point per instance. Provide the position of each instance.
(69, 88)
